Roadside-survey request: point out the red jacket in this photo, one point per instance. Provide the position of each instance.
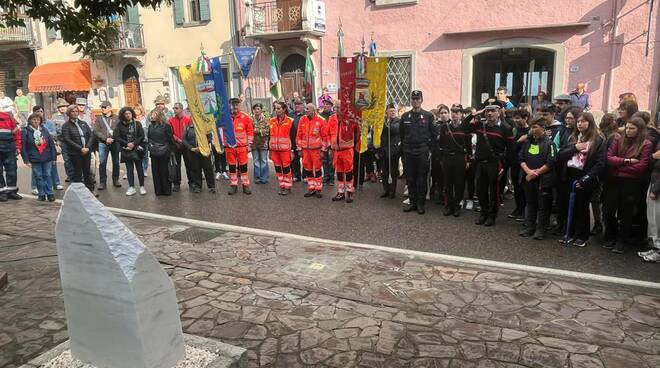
(343, 135)
(243, 130)
(312, 133)
(179, 125)
(10, 134)
(619, 168)
(280, 139)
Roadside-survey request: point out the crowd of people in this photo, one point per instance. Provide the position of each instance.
(558, 163)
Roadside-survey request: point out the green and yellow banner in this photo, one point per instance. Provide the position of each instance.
(373, 115)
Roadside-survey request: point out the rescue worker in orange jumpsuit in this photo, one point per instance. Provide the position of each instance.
(344, 136)
(280, 147)
(311, 138)
(237, 155)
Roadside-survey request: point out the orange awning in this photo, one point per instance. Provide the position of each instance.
(60, 77)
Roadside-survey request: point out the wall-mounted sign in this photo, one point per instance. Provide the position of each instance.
(318, 16)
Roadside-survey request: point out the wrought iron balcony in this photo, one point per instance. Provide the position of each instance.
(21, 34)
(281, 18)
(131, 37)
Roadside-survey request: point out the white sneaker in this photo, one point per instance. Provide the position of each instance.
(35, 191)
(225, 176)
(469, 204)
(146, 175)
(406, 201)
(218, 176)
(59, 187)
(131, 191)
(143, 191)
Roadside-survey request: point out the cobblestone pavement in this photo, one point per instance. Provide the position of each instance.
(296, 303)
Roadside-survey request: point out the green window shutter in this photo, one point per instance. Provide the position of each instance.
(132, 14)
(204, 11)
(178, 12)
(51, 33)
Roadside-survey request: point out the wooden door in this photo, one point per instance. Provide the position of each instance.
(132, 95)
(289, 15)
(293, 82)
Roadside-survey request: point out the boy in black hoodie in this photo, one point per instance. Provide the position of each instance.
(537, 159)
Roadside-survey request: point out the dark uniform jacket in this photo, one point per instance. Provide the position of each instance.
(190, 137)
(494, 142)
(294, 128)
(537, 153)
(390, 138)
(417, 132)
(74, 142)
(455, 140)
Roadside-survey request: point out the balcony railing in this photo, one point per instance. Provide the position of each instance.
(131, 36)
(17, 34)
(268, 18)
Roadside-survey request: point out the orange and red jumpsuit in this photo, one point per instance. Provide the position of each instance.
(237, 156)
(344, 140)
(311, 138)
(280, 149)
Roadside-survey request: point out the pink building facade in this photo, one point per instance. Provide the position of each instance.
(462, 51)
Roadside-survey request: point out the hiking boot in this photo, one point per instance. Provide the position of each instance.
(349, 197)
(421, 210)
(338, 197)
(233, 190)
(608, 244)
(409, 208)
(14, 195)
(41, 198)
(310, 193)
(246, 190)
(490, 221)
(51, 198)
(319, 194)
(539, 234)
(481, 220)
(526, 233)
(448, 211)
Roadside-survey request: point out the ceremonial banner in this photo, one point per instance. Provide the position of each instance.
(244, 57)
(374, 114)
(203, 122)
(347, 90)
(223, 120)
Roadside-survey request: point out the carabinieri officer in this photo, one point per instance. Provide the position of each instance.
(417, 139)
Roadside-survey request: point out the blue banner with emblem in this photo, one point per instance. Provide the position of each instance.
(223, 121)
(244, 57)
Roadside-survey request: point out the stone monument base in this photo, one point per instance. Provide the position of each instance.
(216, 354)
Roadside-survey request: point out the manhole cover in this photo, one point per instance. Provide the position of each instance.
(196, 235)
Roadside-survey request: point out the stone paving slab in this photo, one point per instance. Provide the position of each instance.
(296, 303)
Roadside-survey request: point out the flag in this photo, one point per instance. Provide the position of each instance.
(244, 57)
(373, 115)
(340, 39)
(223, 121)
(275, 87)
(202, 122)
(309, 74)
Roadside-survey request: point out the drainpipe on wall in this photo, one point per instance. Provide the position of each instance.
(610, 75)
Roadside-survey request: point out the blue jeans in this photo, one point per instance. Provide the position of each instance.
(145, 162)
(260, 161)
(41, 171)
(104, 151)
(54, 177)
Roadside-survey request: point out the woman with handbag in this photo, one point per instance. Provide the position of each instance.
(161, 142)
(130, 136)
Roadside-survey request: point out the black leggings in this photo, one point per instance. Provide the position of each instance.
(621, 205)
(130, 164)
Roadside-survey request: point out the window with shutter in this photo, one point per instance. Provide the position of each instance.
(204, 11)
(132, 15)
(179, 12)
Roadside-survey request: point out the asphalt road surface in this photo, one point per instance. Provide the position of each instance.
(373, 220)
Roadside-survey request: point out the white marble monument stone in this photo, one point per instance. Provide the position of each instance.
(121, 307)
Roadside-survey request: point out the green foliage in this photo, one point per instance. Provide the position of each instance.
(86, 24)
